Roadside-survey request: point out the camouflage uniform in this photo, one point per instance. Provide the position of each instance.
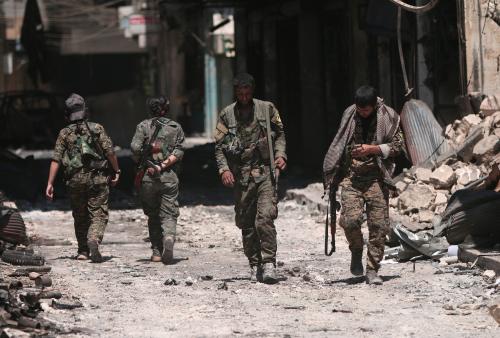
(241, 147)
(159, 193)
(363, 185)
(88, 188)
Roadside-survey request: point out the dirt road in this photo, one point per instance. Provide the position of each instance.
(317, 297)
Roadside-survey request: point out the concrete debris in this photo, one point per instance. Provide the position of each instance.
(423, 174)
(426, 216)
(443, 177)
(485, 149)
(466, 175)
(441, 198)
(490, 105)
(489, 276)
(423, 193)
(416, 197)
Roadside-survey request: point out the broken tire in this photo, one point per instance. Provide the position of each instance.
(16, 257)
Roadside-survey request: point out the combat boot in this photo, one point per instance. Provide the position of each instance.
(95, 255)
(168, 249)
(156, 256)
(254, 271)
(373, 278)
(357, 263)
(269, 273)
(82, 256)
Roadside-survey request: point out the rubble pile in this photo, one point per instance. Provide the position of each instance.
(423, 191)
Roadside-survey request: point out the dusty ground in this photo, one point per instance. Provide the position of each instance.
(126, 295)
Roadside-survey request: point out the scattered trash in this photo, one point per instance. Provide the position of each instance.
(294, 307)
(341, 311)
(222, 286)
(22, 257)
(65, 306)
(171, 281)
(414, 245)
(453, 250)
(470, 212)
(43, 281)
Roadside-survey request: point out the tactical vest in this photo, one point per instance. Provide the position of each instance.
(81, 152)
(246, 146)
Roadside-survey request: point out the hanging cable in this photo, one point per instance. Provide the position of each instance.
(416, 9)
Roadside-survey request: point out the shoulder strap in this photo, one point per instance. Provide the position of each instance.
(231, 119)
(94, 141)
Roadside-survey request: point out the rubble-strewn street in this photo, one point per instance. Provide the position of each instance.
(209, 294)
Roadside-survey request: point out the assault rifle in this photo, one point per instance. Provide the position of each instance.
(274, 171)
(146, 151)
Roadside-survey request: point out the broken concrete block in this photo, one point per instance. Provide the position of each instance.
(416, 197)
(449, 132)
(393, 202)
(440, 198)
(466, 175)
(489, 276)
(485, 149)
(490, 104)
(423, 174)
(456, 187)
(472, 120)
(425, 216)
(401, 186)
(495, 123)
(443, 177)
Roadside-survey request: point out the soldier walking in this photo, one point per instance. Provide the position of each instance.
(360, 160)
(157, 146)
(243, 159)
(85, 152)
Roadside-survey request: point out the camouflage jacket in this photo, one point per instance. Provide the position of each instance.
(73, 145)
(366, 167)
(170, 141)
(241, 146)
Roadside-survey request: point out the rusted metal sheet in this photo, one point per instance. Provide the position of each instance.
(423, 134)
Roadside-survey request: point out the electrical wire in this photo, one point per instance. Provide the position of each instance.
(416, 9)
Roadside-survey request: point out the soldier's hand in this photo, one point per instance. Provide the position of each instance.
(280, 163)
(49, 192)
(365, 150)
(228, 179)
(154, 170)
(114, 180)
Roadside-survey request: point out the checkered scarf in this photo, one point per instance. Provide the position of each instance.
(387, 126)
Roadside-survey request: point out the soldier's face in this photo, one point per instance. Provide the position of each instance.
(364, 112)
(244, 95)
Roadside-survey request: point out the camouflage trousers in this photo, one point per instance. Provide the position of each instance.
(159, 203)
(356, 193)
(89, 203)
(256, 208)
